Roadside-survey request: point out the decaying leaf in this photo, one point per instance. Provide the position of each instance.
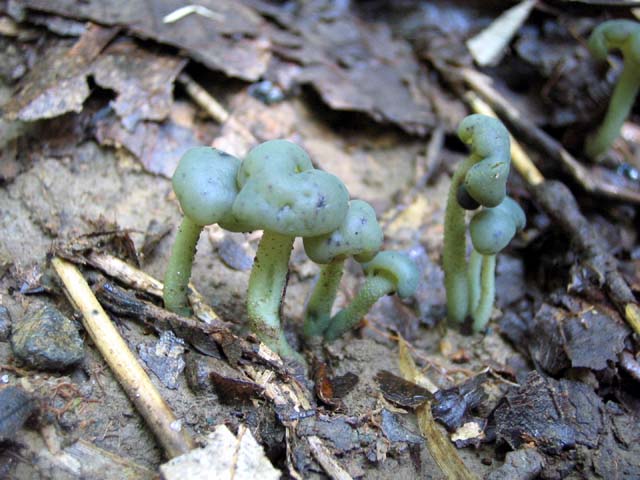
(58, 84)
(228, 41)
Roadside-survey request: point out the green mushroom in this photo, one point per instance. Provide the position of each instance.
(205, 184)
(388, 272)
(491, 231)
(623, 35)
(359, 236)
(283, 195)
(480, 180)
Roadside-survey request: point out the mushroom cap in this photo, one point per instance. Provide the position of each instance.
(398, 268)
(280, 191)
(205, 184)
(493, 228)
(273, 156)
(359, 235)
(488, 139)
(622, 34)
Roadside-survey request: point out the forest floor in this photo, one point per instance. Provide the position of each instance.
(98, 106)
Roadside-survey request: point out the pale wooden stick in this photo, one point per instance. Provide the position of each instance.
(203, 98)
(136, 383)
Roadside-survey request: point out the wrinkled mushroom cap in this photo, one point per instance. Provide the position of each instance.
(493, 228)
(205, 184)
(621, 34)
(282, 193)
(359, 235)
(488, 139)
(396, 267)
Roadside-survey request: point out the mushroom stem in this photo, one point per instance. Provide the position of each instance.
(374, 287)
(473, 279)
(318, 312)
(176, 278)
(455, 248)
(619, 108)
(267, 283)
(482, 312)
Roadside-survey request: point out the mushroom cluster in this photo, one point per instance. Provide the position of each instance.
(479, 182)
(277, 190)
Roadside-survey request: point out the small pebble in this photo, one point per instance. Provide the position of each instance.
(47, 340)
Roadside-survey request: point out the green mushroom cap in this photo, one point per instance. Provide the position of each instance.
(398, 268)
(304, 204)
(488, 139)
(273, 156)
(620, 34)
(205, 184)
(493, 228)
(359, 235)
(280, 191)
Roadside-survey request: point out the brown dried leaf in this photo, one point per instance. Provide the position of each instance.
(58, 84)
(228, 39)
(143, 80)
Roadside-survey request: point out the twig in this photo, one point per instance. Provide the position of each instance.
(131, 276)
(203, 98)
(136, 383)
(326, 460)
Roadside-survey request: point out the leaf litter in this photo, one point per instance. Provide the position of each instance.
(379, 82)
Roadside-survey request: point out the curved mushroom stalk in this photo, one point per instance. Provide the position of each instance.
(359, 236)
(387, 273)
(281, 194)
(205, 185)
(491, 231)
(480, 180)
(623, 35)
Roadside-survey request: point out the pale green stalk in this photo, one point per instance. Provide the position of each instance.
(619, 108)
(267, 283)
(176, 278)
(318, 312)
(455, 248)
(482, 313)
(373, 288)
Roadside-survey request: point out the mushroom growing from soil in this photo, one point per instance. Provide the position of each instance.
(387, 273)
(358, 236)
(282, 194)
(205, 184)
(623, 35)
(491, 231)
(479, 181)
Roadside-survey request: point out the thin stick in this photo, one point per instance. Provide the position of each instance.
(203, 98)
(131, 276)
(136, 383)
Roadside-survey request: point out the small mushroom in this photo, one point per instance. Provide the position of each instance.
(283, 195)
(205, 184)
(623, 35)
(480, 180)
(359, 236)
(387, 273)
(491, 231)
